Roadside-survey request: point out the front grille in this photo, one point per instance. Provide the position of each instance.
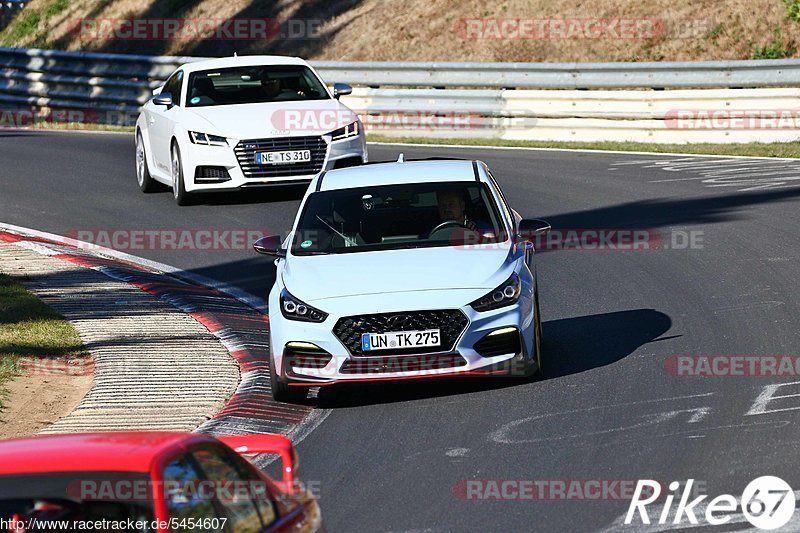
(500, 343)
(408, 363)
(450, 322)
(246, 154)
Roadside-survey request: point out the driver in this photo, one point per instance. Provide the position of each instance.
(270, 88)
(452, 206)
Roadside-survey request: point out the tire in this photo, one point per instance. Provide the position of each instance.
(178, 186)
(281, 392)
(146, 182)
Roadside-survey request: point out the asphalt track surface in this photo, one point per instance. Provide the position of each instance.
(393, 457)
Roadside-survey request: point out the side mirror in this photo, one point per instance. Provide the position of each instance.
(270, 245)
(532, 227)
(341, 89)
(163, 99)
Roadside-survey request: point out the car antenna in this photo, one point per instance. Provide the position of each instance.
(402, 158)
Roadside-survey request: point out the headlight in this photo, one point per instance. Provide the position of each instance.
(209, 140)
(294, 309)
(505, 294)
(351, 130)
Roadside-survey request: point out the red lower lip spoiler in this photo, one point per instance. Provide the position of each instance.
(470, 373)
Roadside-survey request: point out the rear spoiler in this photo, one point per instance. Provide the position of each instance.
(267, 443)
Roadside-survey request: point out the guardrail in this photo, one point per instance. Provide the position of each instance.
(705, 74)
(499, 104)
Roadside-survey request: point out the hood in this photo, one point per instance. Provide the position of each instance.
(278, 119)
(317, 277)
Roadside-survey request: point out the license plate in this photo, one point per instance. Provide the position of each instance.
(283, 158)
(395, 340)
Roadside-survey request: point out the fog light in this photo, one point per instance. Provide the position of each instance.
(501, 341)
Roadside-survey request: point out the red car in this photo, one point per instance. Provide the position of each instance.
(150, 482)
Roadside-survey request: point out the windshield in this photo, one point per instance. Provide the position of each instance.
(398, 216)
(256, 84)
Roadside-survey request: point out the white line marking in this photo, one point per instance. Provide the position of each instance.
(759, 406)
(745, 426)
(501, 436)
(726, 172)
(580, 150)
(259, 304)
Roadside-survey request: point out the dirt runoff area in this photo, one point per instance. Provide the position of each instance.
(44, 392)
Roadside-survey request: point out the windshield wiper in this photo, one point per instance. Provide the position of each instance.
(311, 252)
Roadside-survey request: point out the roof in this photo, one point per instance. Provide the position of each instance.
(88, 452)
(437, 171)
(241, 61)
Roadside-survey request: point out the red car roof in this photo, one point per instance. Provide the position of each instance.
(89, 452)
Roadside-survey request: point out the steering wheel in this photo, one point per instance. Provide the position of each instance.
(447, 224)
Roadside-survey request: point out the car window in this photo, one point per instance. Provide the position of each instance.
(243, 495)
(410, 215)
(174, 85)
(254, 84)
(184, 499)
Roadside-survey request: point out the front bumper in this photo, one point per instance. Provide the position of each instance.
(344, 366)
(343, 152)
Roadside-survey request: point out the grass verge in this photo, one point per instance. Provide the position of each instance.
(29, 328)
(789, 149)
(32, 23)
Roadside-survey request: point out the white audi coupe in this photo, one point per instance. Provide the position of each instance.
(249, 121)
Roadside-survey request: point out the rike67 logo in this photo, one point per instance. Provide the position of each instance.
(767, 502)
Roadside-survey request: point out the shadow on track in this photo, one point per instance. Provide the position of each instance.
(261, 195)
(255, 275)
(648, 214)
(572, 345)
